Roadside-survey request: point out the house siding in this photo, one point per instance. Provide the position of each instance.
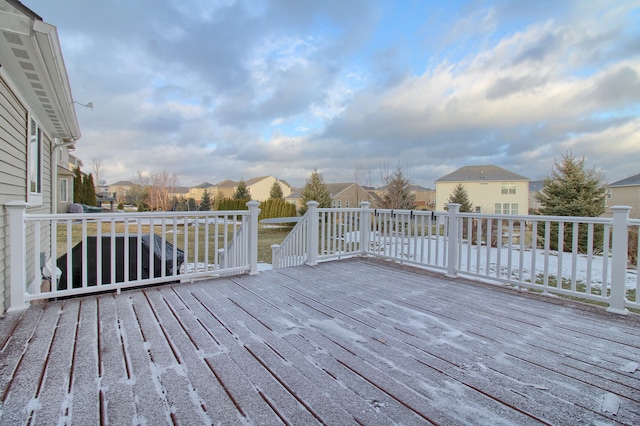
(485, 195)
(625, 196)
(13, 181)
(13, 175)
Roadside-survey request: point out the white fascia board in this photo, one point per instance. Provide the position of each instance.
(48, 45)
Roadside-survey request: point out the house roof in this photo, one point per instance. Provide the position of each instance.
(535, 185)
(204, 185)
(630, 181)
(337, 188)
(227, 184)
(31, 54)
(419, 188)
(122, 183)
(256, 180)
(294, 194)
(480, 173)
(180, 190)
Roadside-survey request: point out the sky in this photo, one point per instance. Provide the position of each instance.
(231, 89)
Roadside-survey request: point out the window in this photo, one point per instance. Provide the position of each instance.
(508, 188)
(506, 208)
(336, 204)
(346, 204)
(64, 190)
(478, 209)
(35, 163)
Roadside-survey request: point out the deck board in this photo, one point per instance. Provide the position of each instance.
(356, 341)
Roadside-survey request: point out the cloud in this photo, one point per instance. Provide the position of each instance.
(225, 89)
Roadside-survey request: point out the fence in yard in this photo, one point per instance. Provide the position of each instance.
(570, 256)
(58, 255)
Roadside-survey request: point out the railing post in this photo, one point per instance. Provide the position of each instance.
(18, 263)
(619, 251)
(275, 256)
(365, 228)
(254, 211)
(452, 240)
(312, 236)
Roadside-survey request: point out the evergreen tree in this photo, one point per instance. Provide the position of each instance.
(242, 191)
(192, 206)
(460, 196)
(572, 190)
(205, 202)
(315, 189)
(397, 193)
(89, 191)
(276, 191)
(78, 192)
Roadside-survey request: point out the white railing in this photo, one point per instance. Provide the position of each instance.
(94, 252)
(570, 256)
(294, 248)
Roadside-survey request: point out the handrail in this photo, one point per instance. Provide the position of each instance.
(581, 257)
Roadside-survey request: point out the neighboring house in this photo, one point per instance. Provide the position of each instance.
(65, 172)
(37, 120)
(196, 192)
(349, 195)
(343, 195)
(425, 198)
(535, 186)
(121, 190)
(491, 189)
(179, 192)
(260, 187)
(625, 192)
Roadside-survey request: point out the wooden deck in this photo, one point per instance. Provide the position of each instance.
(348, 342)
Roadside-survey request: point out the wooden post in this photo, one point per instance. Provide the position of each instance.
(365, 228)
(312, 236)
(254, 211)
(18, 255)
(619, 251)
(452, 240)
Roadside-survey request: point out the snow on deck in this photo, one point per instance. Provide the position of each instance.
(355, 341)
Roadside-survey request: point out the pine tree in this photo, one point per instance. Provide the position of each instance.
(315, 189)
(460, 196)
(572, 190)
(242, 191)
(89, 191)
(397, 193)
(276, 191)
(205, 202)
(78, 192)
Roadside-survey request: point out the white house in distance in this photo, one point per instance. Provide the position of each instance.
(491, 189)
(37, 121)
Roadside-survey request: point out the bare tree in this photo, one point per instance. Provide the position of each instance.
(160, 189)
(97, 170)
(361, 177)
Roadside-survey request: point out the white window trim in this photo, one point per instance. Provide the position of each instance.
(64, 183)
(35, 198)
